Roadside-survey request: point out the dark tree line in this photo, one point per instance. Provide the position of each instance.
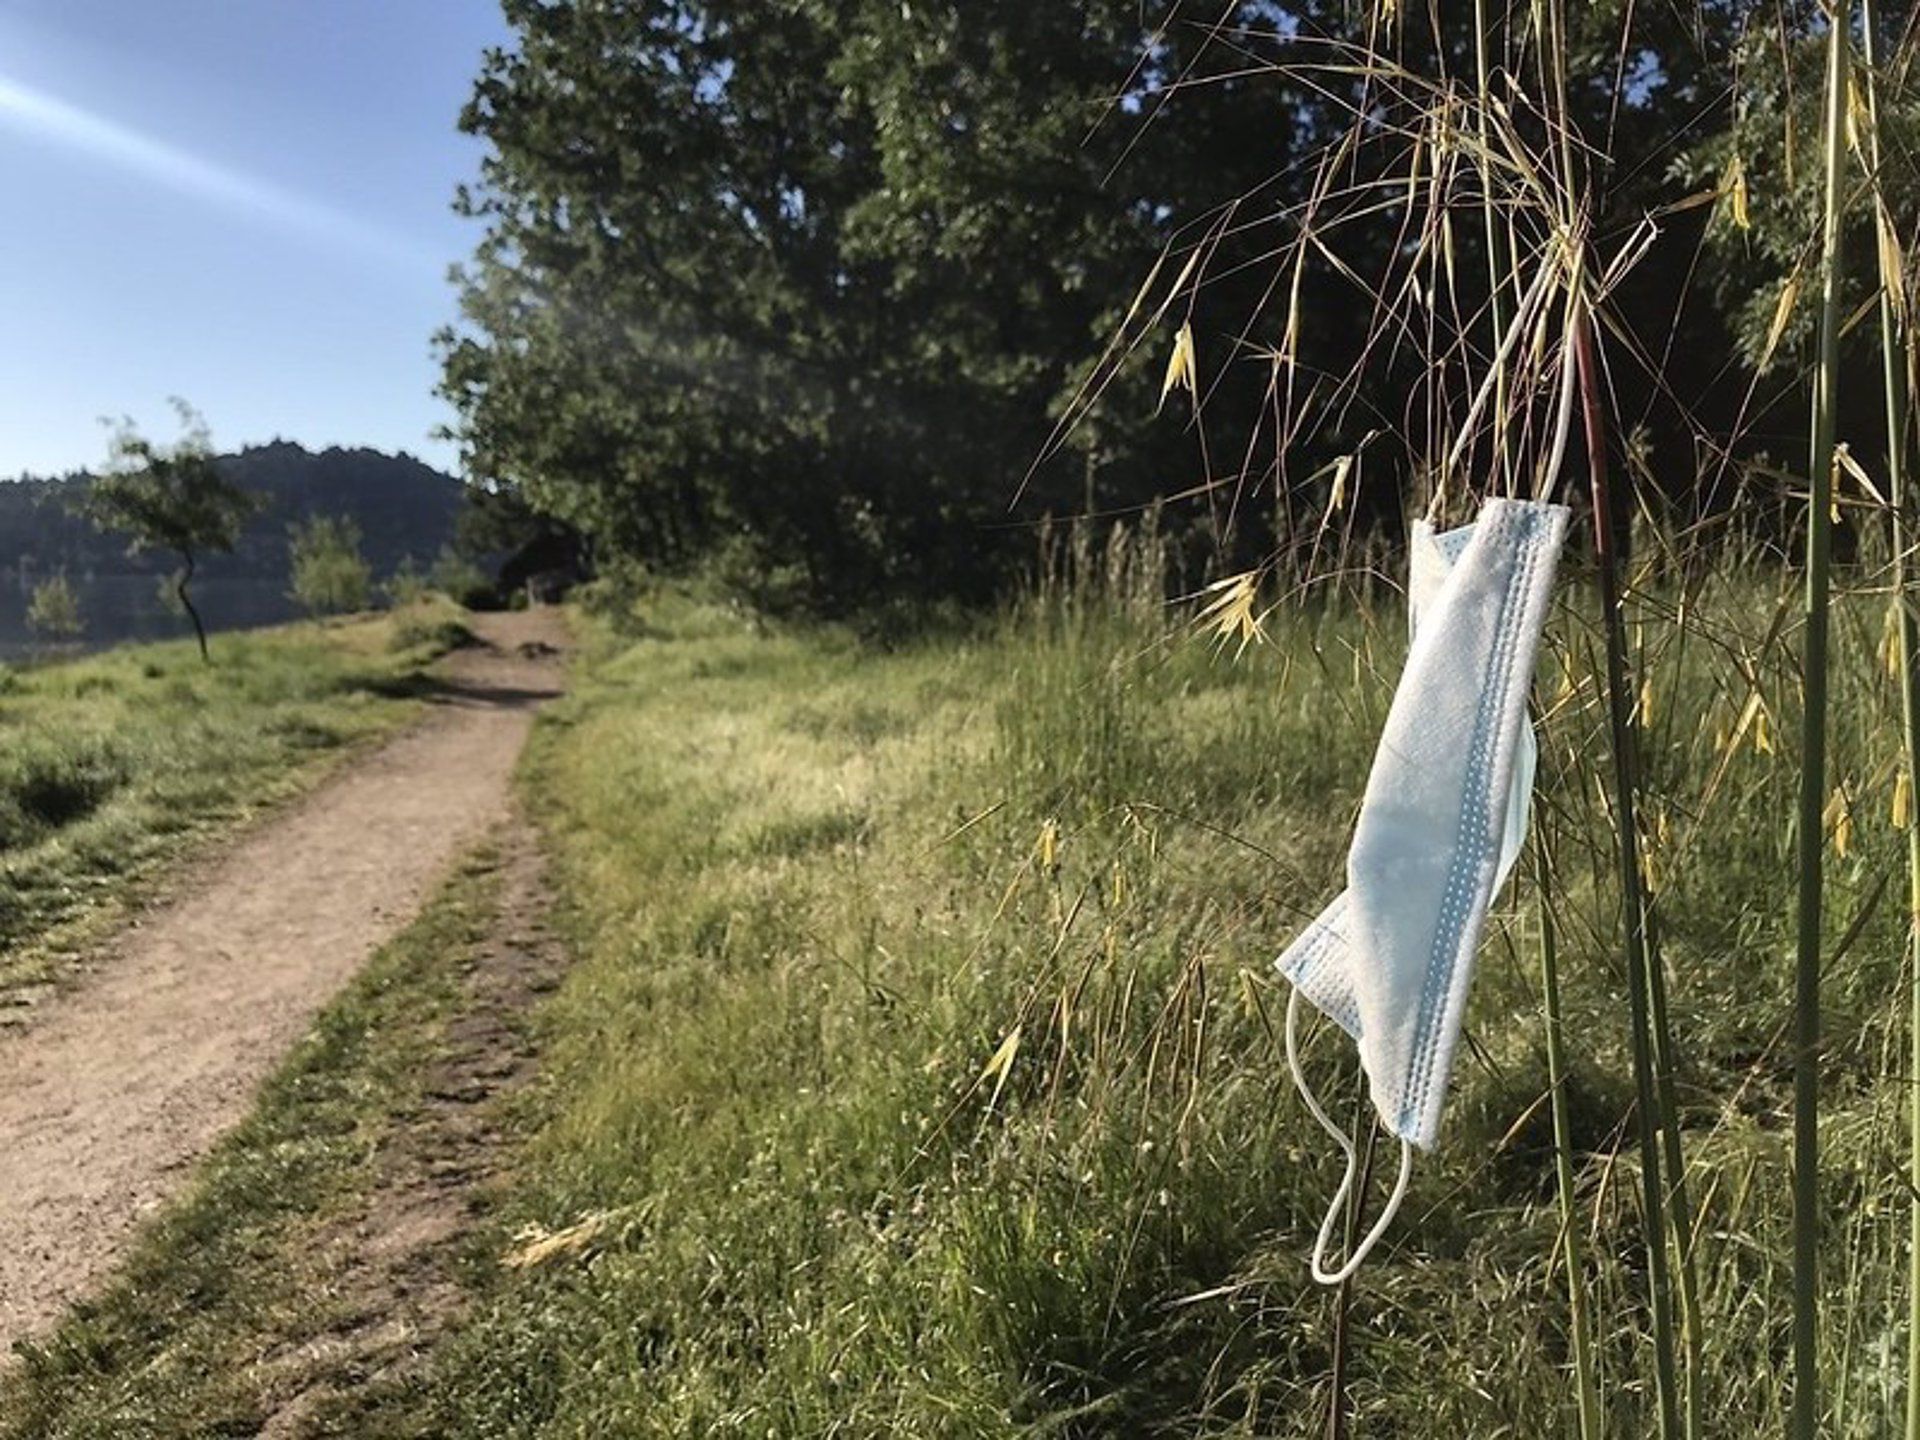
(802, 288)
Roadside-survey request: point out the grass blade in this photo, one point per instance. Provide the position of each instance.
(1585, 1382)
(1624, 744)
(1893, 348)
(1813, 764)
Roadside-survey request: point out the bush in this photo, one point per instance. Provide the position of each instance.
(460, 580)
(406, 586)
(330, 575)
(617, 595)
(53, 613)
(431, 631)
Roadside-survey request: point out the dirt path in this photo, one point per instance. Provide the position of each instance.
(390, 1267)
(112, 1092)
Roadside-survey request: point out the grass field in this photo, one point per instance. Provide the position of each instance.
(919, 1075)
(113, 764)
(921, 1056)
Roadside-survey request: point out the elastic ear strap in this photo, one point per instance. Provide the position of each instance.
(1338, 1204)
(1306, 1090)
(1372, 1237)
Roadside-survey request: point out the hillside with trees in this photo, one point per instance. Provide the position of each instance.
(404, 512)
(403, 507)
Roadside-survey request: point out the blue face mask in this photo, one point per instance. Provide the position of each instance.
(1441, 824)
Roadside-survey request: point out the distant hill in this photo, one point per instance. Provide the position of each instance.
(405, 508)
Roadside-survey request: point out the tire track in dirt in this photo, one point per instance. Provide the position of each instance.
(117, 1086)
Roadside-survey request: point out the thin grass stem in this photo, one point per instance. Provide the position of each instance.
(1621, 728)
(1813, 762)
(1893, 354)
(1498, 270)
(1673, 1157)
(1586, 1387)
(1366, 1132)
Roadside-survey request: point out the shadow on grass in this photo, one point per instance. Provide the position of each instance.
(441, 690)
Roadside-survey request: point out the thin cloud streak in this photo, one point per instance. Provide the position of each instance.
(23, 108)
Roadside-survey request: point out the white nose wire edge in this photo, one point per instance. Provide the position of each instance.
(1334, 1208)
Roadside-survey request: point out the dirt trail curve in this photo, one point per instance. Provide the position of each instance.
(119, 1085)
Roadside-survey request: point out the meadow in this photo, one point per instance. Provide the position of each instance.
(920, 1073)
(919, 1070)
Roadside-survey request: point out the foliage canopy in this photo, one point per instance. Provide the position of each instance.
(802, 289)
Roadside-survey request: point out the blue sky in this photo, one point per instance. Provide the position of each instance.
(241, 202)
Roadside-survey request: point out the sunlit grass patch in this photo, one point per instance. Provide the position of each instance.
(920, 1070)
(112, 763)
(933, 1064)
(805, 937)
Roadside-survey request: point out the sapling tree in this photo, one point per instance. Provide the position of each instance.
(172, 498)
(330, 575)
(53, 610)
(406, 586)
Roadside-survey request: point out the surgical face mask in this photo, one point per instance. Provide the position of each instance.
(1441, 824)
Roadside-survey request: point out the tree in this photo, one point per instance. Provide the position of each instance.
(330, 575)
(406, 586)
(170, 498)
(814, 280)
(53, 611)
(496, 523)
(1758, 269)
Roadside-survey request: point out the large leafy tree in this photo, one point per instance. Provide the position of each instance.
(808, 283)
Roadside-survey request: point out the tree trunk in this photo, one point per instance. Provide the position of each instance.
(186, 604)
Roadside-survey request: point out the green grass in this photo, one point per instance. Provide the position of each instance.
(112, 765)
(814, 887)
(221, 1312)
(812, 898)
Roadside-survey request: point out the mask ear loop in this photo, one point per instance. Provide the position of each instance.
(1338, 1203)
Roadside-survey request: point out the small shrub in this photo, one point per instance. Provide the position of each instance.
(460, 580)
(53, 612)
(618, 596)
(406, 586)
(330, 575)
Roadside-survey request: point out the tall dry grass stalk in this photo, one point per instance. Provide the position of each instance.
(1586, 1383)
(1625, 791)
(1493, 156)
(1895, 343)
(1810, 857)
